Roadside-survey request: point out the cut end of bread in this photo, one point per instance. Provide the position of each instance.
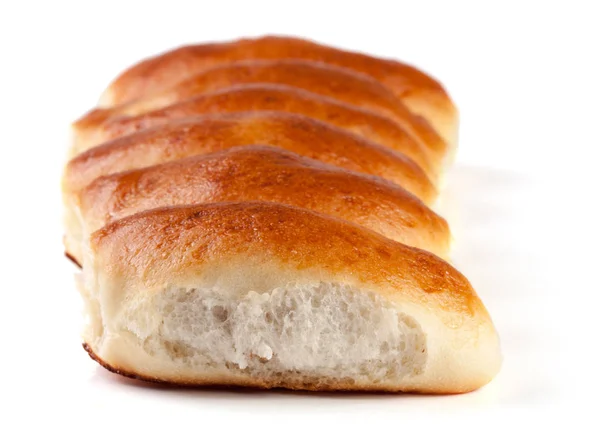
(321, 336)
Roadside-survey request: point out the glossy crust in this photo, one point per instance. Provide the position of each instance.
(271, 97)
(333, 81)
(272, 245)
(211, 133)
(421, 93)
(273, 175)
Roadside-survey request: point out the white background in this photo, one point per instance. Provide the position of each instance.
(521, 198)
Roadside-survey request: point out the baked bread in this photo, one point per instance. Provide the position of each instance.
(343, 84)
(210, 133)
(271, 97)
(421, 93)
(259, 173)
(266, 295)
(255, 213)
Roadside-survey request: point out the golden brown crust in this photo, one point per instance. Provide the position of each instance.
(332, 81)
(272, 97)
(269, 174)
(194, 237)
(121, 372)
(156, 73)
(205, 134)
(72, 259)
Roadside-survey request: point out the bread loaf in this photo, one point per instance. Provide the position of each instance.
(257, 213)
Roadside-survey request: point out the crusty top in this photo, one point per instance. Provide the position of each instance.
(163, 246)
(173, 66)
(268, 174)
(260, 97)
(210, 133)
(333, 81)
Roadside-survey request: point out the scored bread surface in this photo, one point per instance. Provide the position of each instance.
(260, 173)
(273, 97)
(335, 82)
(420, 92)
(181, 138)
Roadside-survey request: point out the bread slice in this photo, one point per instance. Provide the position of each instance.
(258, 173)
(265, 295)
(420, 92)
(272, 97)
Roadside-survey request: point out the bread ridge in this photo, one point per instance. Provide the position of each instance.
(260, 173)
(420, 92)
(273, 97)
(308, 137)
(332, 81)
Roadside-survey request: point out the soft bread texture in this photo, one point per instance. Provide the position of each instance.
(272, 97)
(210, 133)
(264, 174)
(267, 295)
(332, 81)
(421, 93)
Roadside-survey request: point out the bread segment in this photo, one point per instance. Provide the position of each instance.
(266, 295)
(258, 173)
(180, 138)
(272, 97)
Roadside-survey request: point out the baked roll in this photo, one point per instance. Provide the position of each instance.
(255, 213)
(271, 97)
(267, 295)
(210, 133)
(259, 173)
(336, 82)
(421, 93)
